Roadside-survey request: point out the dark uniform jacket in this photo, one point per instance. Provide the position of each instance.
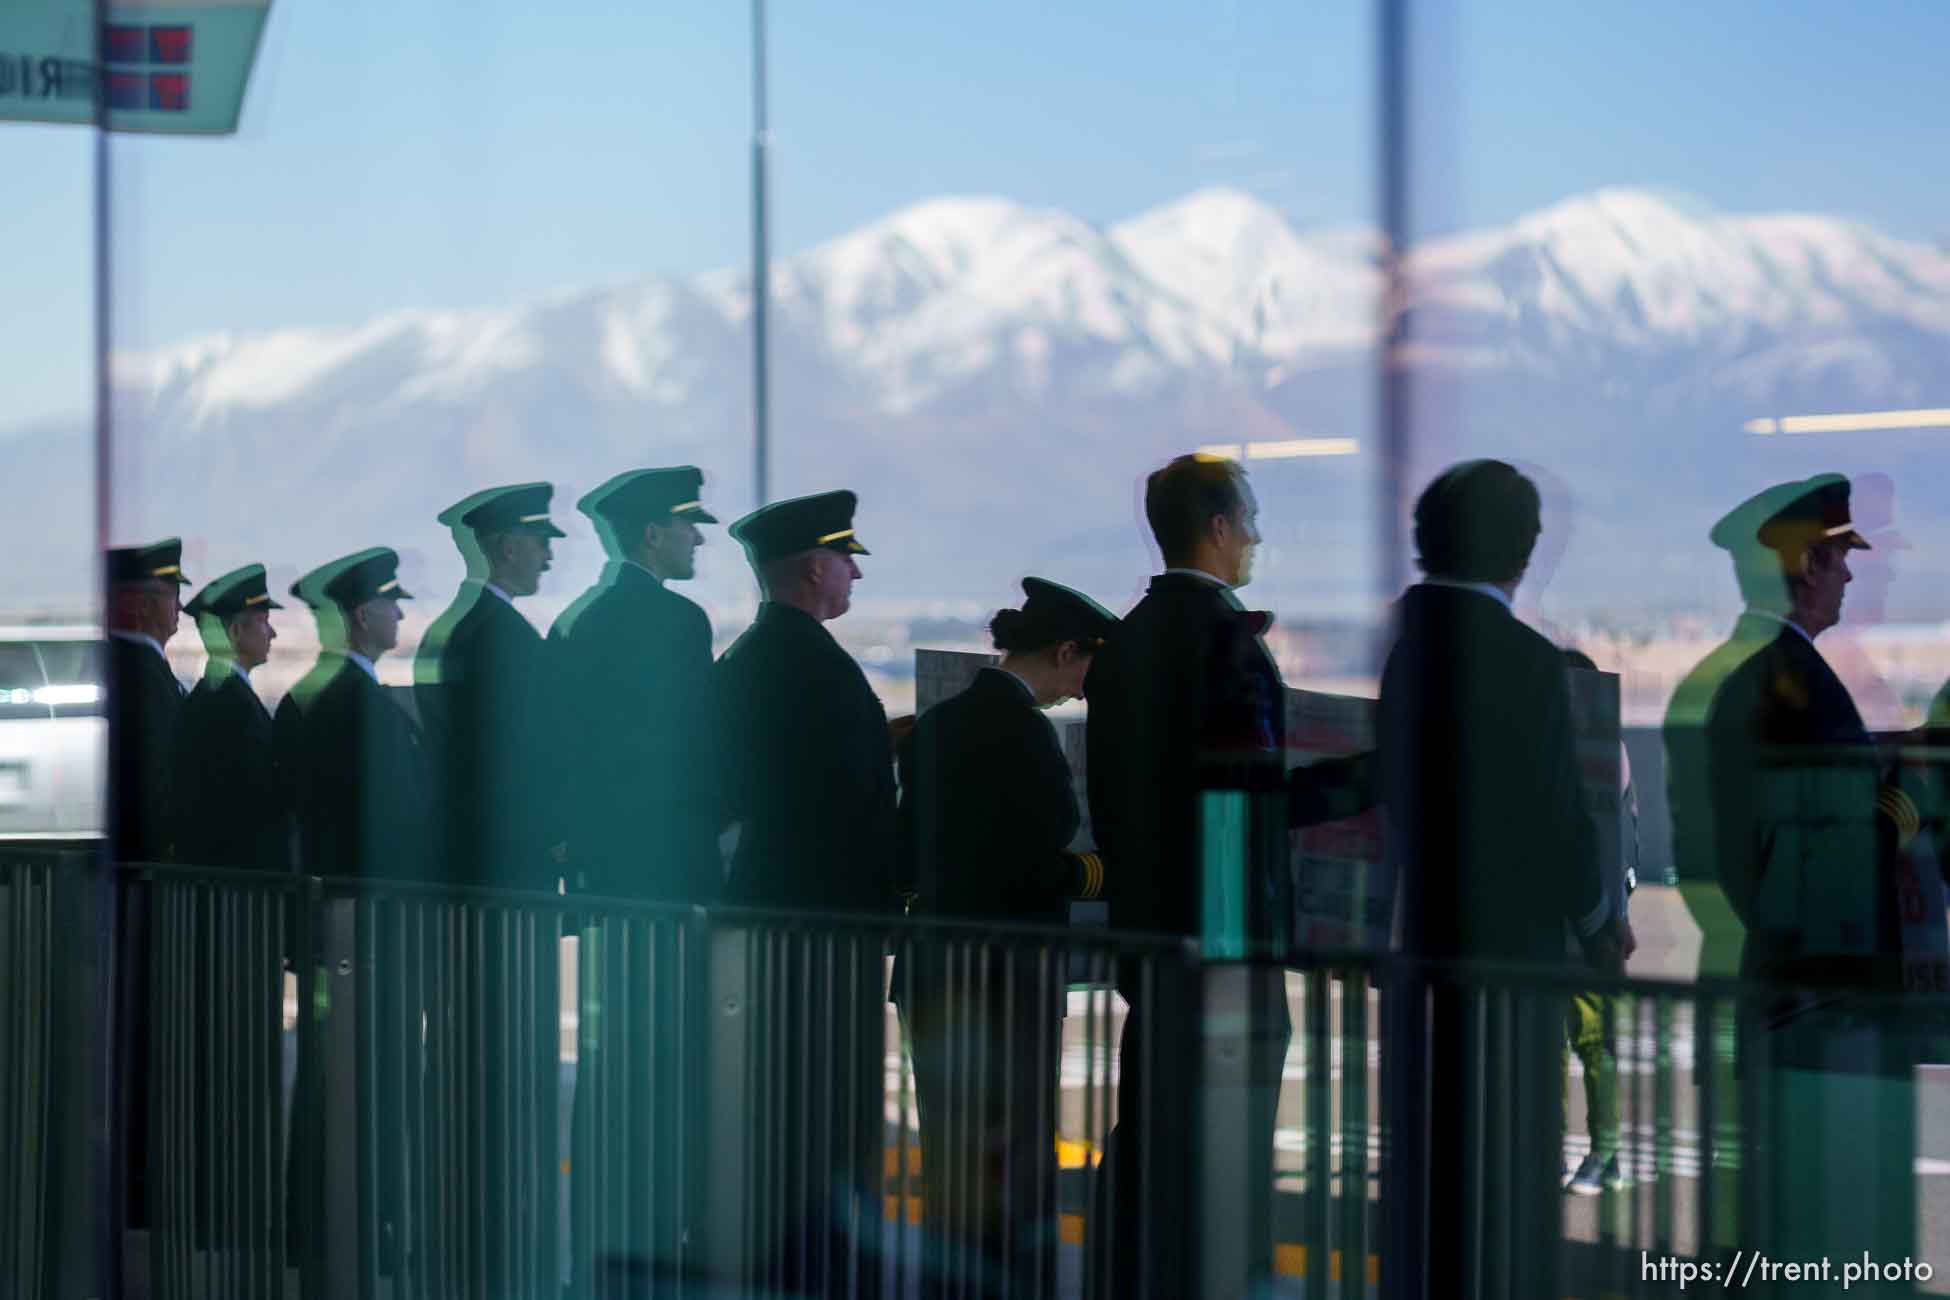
(1485, 812)
(1185, 700)
(634, 659)
(365, 782)
(987, 813)
(144, 702)
(1794, 784)
(809, 770)
(230, 808)
(288, 759)
(484, 704)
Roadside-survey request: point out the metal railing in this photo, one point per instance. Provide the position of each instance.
(338, 1088)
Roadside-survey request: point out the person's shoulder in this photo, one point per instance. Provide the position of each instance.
(1769, 660)
(508, 620)
(338, 690)
(991, 703)
(134, 661)
(203, 705)
(670, 610)
(752, 652)
(232, 695)
(1527, 640)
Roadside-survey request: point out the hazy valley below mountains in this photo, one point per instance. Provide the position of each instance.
(994, 379)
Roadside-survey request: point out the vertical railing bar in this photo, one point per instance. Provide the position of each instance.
(14, 1014)
(1354, 1113)
(1148, 1050)
(178, 1230)
(242, 1027)
(250, 1190)
(1045, 1120)
(859, 1180)
(955, 1133)
(1319, 1066)
(645, 1004)
(1009, 1258)
(1705, 1073)
(1668, 1236)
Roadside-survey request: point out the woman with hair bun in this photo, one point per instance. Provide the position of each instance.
(987, 816)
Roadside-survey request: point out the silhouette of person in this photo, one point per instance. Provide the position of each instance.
(144, 698)
(1780, 797)
(230, 813)
(364, 769)
(810, 788)
(1496, 856)
(486, 690)
(230, 809)
(1590, 1022)
(1187, 726)
(144, 610)
(987, 815)
(643, 823)
(1872, 503)
(482, 683)
(644, 712)
(364, 777)
(291, 758)
(287, 722)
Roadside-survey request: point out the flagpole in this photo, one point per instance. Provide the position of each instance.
(761, 279)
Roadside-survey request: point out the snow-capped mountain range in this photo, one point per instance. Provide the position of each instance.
(995, 378)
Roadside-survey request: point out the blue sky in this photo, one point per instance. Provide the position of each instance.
(448, 156)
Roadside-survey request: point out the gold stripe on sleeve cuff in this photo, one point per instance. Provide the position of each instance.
(1093, 874)
(1900, 809)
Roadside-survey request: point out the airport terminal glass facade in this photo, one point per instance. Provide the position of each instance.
(1015, 262)
(1659, 258)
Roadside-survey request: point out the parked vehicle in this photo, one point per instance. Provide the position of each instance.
(53, 733)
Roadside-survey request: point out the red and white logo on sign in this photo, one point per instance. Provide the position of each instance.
(130, 51)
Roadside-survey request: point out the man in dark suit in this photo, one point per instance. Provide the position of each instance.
(230, 810)
(482, 682)
(643, 823)
(485, 691)
(144, 610)
(230, 813)
(144, 698)
(1187, 731)
(364, 764)
(287, 722)
(646, 761)
(810, 788)
(811, 768)
(365, 788)
(1498, 861)
(1485, 815)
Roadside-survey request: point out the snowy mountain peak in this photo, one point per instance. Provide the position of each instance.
(946, 292)
(1218, 217)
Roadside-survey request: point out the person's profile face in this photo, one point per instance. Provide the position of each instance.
(251, 635)
(1243, 536)
(165, 606)
(1828, 578)
(673, 548)
(525, 559)
(833, 578)
(381, 618)
(1073, 665)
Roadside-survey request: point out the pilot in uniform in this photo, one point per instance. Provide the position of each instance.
(810, 788)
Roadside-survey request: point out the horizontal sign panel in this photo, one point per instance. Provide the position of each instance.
(171, 69)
